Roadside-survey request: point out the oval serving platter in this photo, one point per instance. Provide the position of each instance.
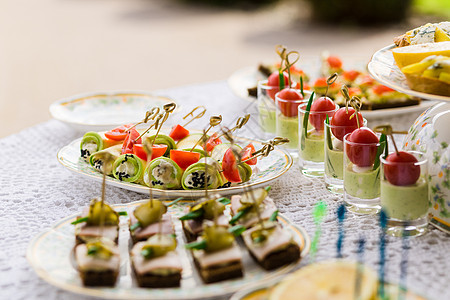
(49, 255)
(105, 110)
(265, 171)
(382, 67)
(249, 76)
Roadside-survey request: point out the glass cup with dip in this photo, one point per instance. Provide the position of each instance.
(311, 140)
(266, 107)
(404, 194)
(361, 176)
(287, 120)
(334, 155)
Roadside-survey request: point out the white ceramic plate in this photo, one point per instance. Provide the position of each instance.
(266, 170)
(49, 255)
(382, 67)
(247, 77)
(105, 110)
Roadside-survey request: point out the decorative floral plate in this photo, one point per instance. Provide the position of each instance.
(382, 67)
(266, 170)
(49, 255)
(248, 77)
(105, 110)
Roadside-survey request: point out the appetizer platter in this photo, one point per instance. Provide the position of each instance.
(247, 77)
(104, 110)
(54, 258)
(180, 159)
(417, 63)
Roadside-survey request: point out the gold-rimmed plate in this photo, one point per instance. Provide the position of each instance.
(382, 67)
(265, 171)
(49, 255)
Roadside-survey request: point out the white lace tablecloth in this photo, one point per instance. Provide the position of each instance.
(36, 192)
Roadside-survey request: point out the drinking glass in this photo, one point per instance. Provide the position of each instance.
(361, 177)
(404, 195)
(334, 156)
(311, 140)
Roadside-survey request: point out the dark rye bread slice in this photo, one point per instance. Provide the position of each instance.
(190, 236)
(99, 278)
(219, 273)
(279, 258)
(157, 281)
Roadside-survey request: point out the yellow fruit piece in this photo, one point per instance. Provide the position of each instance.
(405, 56)
(417, 68)
(431, 73)
(332, 280)
(440, 36)
(445, 77)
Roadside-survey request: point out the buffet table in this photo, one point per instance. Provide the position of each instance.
(36, 191)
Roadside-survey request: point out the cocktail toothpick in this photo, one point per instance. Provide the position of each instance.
(213, 121)
(193, 117)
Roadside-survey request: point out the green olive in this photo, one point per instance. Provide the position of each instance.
(245, 171)
(213, 208)
(99, 212)
(217, 238)
(253, 198)
(159, 245)
(263, 231)
(148, 213)
(101, 248)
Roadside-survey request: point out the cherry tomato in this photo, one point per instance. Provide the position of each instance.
(118, 133)
(130, 140)
(364, 149)
(274, 82)
(366, 81)
(354, 91)
(157, 151)
(289, 107)
(212, 142)
(247, 153)
(381, 89)
(184, 158)
(334, 61)
(350, 75)
(402, 171)
(320, 108)
(306, 86)
(346, 124)
(321, 82)
(230, 167)
(178, 132)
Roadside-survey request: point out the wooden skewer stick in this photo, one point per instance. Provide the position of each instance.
(198, 116)
(213, 121)
(241, 121)
(330, 81)
(149, 115)
(387, 130)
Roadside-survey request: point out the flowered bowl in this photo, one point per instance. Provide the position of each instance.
(431, 134)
